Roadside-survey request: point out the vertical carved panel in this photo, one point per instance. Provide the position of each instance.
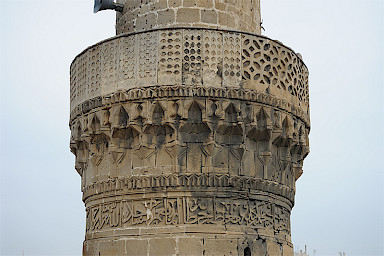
(232, 59)
(220, 159)
(109, 68)
(74, 84)
(147, 59)
(194, 158)
(94, 72)
(306, 86)
(82, 78)
(272, 69)
(249, 167)
(302, 83)
(285, 66)
(127, 67)
(253, 62)
(213, 58)
(170, 57)
(192, 62)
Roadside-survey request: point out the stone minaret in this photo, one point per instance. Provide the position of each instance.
(189, 129)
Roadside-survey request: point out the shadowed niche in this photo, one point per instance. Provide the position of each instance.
(195, 130)
(247, 251)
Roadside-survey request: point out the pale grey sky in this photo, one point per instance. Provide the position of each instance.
(340, 197)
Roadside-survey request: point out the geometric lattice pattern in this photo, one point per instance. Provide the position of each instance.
(191, 57)
(272, 64)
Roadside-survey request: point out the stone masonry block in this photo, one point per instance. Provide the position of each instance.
(287, 250)
(213, 246)
(259, 248)
(219, 5)
(189, 3)
(190, 246)
(116, 247)
(226, 19)
(162, 247)
(166, 17)
(204, 3)
(159, 5)
(174, 3)
(235, 10)
(89, 248)
(137, 247)
(188, 15)
(208, 16)
(146, 21)
(198, 3)
(273, 248)
(144, 9)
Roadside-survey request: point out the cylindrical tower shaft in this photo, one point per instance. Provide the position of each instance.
(189, 131)
(239, 15)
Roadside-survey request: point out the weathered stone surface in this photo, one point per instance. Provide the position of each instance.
(241, 15)
(223, 61)
(215, 246)
(165, 246)
(209, 16)
(137, 247)
(189, 137)
(190, 246)
(259, 248)
(105, 247)
(287, 250)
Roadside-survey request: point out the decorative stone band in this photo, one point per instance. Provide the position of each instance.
(198, 57)
(169, 92)
(140, 184)
(198, 135)
(265, 217)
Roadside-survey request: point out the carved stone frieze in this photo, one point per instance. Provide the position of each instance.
(186, 91)
(255, 214)
(190, 135)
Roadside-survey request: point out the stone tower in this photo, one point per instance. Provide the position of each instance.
(189, 129)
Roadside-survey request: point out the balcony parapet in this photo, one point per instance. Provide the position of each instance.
(252, 66)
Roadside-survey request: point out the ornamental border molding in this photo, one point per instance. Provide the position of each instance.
(140, 183)
(145, 93)
(262, 216)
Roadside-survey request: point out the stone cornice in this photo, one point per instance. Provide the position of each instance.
(170, 92)
(141, 184)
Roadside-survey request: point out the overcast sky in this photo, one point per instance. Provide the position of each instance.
(340, 197)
